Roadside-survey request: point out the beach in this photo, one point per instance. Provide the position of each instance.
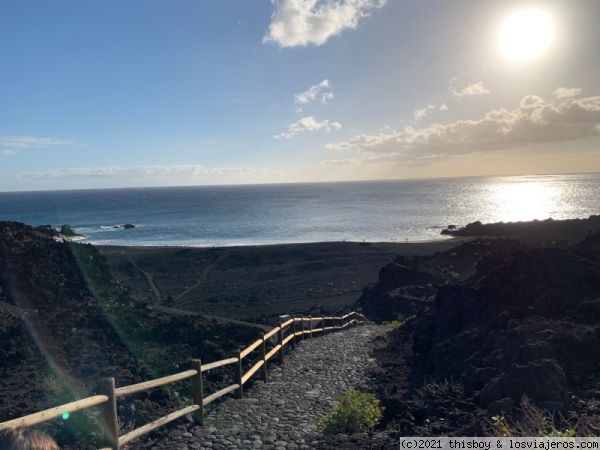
(259, 282)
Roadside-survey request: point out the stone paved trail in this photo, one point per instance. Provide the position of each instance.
(280, 414)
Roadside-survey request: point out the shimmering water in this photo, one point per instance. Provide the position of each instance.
(411, 210)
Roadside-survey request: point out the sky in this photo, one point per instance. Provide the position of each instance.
(132, 93)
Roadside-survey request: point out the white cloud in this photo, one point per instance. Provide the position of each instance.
(420, 113)
(8, 152)
(326, 96)
(308, 124)
(391, 159)
(535, 121)
(344, 162)
(31, 141)
(563, 92)
(313, 92)
(470, 90)
(302, 22)
(184, 170)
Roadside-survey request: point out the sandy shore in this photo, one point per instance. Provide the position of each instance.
(263, 281)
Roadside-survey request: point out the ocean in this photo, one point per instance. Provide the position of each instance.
(403, 210)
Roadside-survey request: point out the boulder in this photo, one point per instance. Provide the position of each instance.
(67, 231)
(541, 381)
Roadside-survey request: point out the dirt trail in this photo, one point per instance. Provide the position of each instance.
(183, 312)
(204, 273)
(150, 280)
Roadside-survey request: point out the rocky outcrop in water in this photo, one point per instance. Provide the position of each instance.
(535, 231)
(69, 232)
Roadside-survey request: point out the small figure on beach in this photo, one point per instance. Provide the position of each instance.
(26, 439)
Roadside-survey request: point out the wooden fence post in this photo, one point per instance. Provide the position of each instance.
(310, 327)
(302, 327)
(198, 392)
(295, 338)
(263, 355)
(280, 342)
(239, 393)
(108, 413)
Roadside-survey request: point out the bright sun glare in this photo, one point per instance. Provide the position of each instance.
(526, 34)
(525, 201)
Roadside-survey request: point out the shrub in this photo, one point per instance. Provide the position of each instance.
(537, 421)
(394, 324)
(356, 412)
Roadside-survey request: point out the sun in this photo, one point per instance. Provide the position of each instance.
(526, 34)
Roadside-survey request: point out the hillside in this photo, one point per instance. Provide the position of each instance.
(65, 324)
(494, 328)
(487, 322)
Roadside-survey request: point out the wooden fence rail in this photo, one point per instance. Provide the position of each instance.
(108, 394)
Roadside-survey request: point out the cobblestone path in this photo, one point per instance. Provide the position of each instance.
(280, 414)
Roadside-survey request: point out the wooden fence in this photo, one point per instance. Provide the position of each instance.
(290, 331)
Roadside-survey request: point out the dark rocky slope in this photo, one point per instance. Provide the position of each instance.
(65, 324)
(505, 321)
(488, 321)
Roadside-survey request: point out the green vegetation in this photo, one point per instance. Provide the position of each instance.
(54, 385)
(391, 326)
(543, 428)
(396, 323)
(356, 412)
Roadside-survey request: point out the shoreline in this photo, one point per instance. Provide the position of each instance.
(443, 242)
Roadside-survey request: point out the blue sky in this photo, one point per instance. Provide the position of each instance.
(126, 93)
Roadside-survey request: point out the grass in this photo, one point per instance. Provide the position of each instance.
(392, 325)
(356, 412)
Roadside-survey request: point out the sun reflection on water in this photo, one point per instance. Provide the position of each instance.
(526, 201)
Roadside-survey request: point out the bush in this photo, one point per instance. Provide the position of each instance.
(537, 421)
(357, 412)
